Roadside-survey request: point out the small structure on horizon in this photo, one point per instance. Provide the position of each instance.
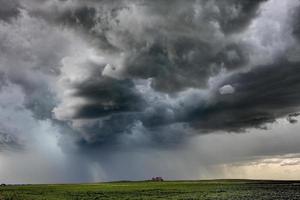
(2, 185)
(157, 179)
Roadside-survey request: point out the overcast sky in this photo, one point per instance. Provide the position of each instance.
(101, 90)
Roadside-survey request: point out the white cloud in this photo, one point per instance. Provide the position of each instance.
(226, 89)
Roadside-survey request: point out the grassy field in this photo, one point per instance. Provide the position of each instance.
(184, 190)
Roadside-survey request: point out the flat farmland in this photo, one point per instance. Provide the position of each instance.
(146, 190)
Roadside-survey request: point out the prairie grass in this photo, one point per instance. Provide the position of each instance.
(173, 190)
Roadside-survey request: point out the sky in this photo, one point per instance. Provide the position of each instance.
(104, 90)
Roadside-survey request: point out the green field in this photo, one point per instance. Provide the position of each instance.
(185, 190)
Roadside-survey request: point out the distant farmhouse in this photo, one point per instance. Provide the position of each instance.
(157, 179)
(2, 185)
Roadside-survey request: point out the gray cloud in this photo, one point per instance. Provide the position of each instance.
(176, 51)
(9, 9)
(238, 14)
(261, 96)
(9, 142)
(107, 96)
(296, 23)
(174, 57)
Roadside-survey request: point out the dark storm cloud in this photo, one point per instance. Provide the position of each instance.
(296, 22)
(181, 53)
(184, 63)
(177, 49)
(80, 17)
(9, 9)
(239, 14)
(106, 96)
(175, 46)
(261, 96)
(183, 50)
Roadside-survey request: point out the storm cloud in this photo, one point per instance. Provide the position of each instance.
(9, 9)
(138, 59)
